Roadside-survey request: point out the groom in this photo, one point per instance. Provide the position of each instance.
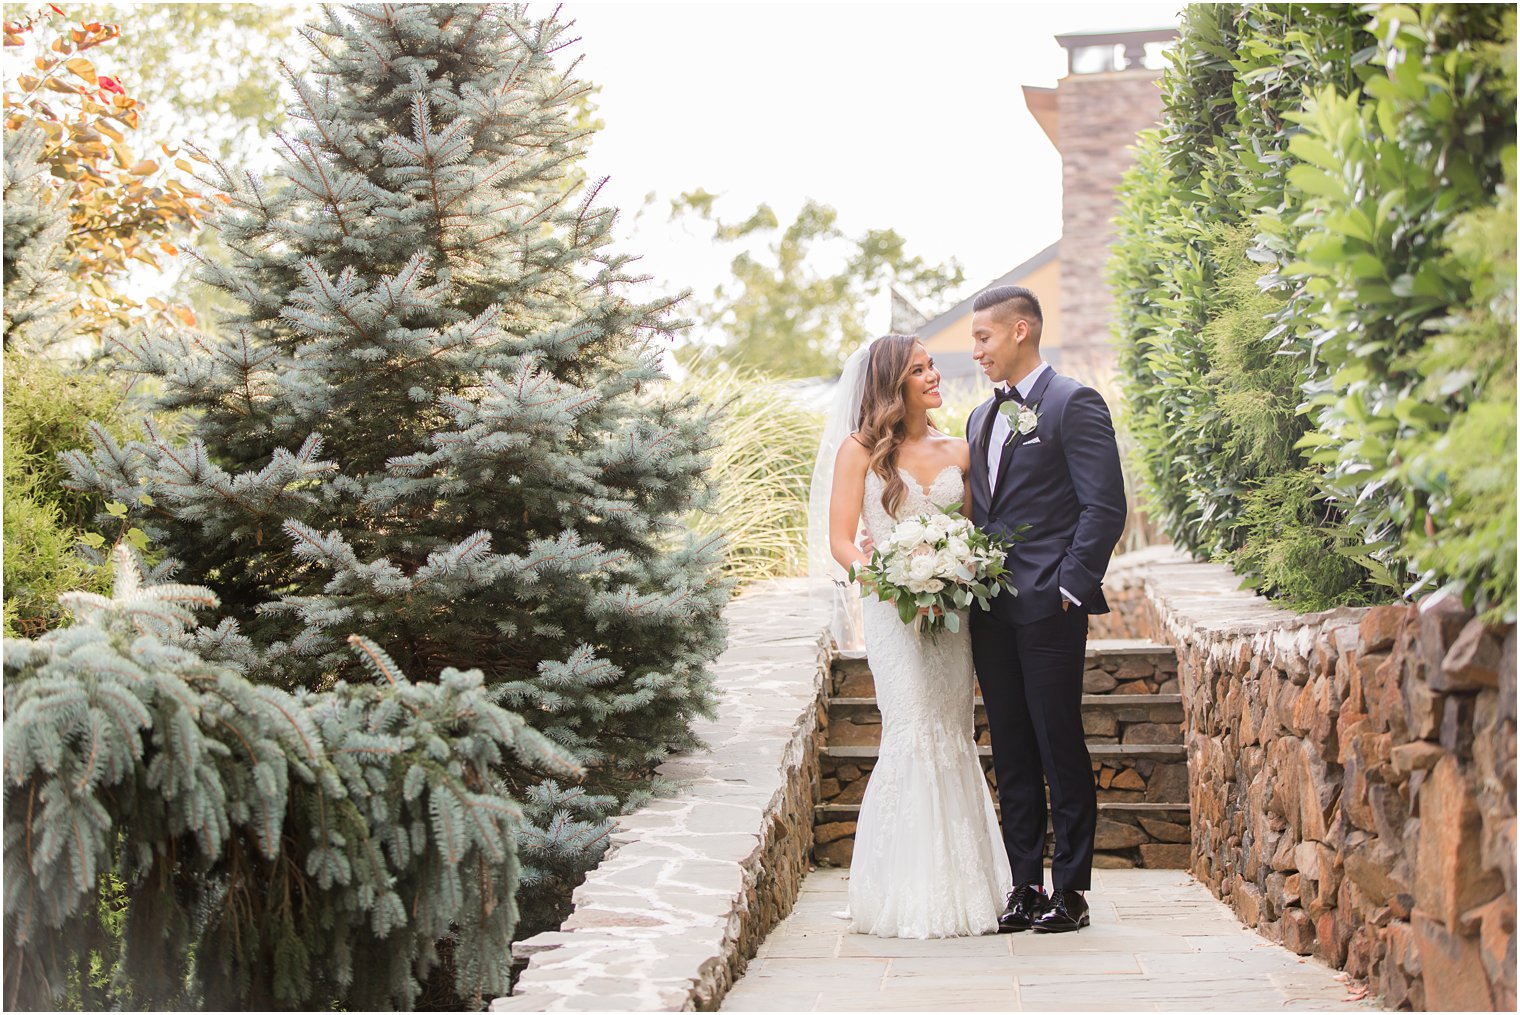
(1042, 455)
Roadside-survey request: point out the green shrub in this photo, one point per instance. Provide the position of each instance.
(1466, 472)
(1290, 255)
(42, 558)
(1210, 400)
(1254, 386)
(48, 406)
(1388, 182)
(1159, 317)
(1285, 529)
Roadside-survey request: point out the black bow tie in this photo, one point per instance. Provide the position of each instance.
(1010, 395)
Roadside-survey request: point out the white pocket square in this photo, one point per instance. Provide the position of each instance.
(1032, 440)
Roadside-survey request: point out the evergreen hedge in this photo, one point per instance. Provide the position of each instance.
(1315, 276)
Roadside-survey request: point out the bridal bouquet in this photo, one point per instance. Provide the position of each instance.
(939, 562)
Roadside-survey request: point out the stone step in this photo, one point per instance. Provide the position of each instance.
(1128, 834)
(1088, 700)
(1168, 752)
(1130, 693)
(1113, 666)
(1142, 773)
(1097, 648)
(1155, 708)
(1106, 718)
(849, 812)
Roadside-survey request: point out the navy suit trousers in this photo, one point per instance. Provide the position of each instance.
(1031, 682)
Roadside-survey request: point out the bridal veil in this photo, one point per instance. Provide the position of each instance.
(843, 420)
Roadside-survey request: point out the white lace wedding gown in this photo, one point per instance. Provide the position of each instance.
(929, 859)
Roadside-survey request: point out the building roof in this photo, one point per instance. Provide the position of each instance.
(1132, 42)
(1045, 110)
(961, 309)
(1121, 37)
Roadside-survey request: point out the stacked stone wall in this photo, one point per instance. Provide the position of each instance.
(1352, 775)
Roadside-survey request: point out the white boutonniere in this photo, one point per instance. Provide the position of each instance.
(1023, 418)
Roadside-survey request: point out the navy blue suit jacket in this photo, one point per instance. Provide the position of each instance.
(1062, 480)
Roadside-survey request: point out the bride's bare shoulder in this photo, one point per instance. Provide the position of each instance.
(853, 453)
(956, 450)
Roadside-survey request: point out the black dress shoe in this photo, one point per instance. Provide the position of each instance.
(1068, 911)
(1026, 904)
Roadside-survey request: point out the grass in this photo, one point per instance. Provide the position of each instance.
(763, 466)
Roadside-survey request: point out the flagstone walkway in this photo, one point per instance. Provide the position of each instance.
(1159, 941)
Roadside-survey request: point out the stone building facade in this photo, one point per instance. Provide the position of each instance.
(1097, 115)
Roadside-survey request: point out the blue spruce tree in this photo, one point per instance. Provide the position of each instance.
(37, 305)
(265, 846)
(436, 420)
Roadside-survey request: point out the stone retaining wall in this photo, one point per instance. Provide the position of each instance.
(1352, 775)
(695, 881)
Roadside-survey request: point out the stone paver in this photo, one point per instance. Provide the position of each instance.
(1159, 942)
(694, 878)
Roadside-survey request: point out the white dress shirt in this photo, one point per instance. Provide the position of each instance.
(1002, 428)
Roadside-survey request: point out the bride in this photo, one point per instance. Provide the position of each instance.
(929, 859)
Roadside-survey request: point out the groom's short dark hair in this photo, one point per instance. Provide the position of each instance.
(1020, 302)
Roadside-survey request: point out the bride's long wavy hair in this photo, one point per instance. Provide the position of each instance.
(884, 412)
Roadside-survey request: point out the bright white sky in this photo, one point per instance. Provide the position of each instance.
(907, 116)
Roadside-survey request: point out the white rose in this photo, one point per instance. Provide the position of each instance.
(921, 569)
(959, 549)
(937, 527)
(908, 532)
